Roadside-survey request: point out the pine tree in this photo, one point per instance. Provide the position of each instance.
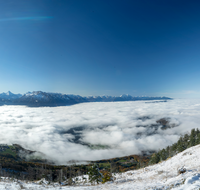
(174, 148)
(186, 139)
(192, 138)
(198, 138)
(94, 174)
(180, 145)
(155, 158)
(163, 154)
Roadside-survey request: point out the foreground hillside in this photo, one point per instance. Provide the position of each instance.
(163, 175)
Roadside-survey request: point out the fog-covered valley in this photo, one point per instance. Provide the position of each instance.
(101, 130)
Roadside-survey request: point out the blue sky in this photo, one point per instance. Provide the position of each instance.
(97, 47)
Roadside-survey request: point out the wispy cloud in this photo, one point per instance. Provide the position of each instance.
(114, 124)
(38, 18)
(190, 92)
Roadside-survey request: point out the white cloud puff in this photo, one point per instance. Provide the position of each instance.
(125, 127)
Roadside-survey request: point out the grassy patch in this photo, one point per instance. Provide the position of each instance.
(9, 151)
(121, 161)
(104, 165)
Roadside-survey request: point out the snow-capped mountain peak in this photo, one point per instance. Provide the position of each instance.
(9, 95)
(125, 95)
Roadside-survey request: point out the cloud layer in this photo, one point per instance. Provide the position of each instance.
(122, 128)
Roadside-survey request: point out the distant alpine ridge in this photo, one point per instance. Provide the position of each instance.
(39, 98)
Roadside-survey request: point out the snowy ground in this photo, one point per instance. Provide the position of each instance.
(160, 176)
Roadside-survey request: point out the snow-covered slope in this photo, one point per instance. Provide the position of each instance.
(163, 175)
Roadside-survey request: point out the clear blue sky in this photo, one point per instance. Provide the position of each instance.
(96, 47)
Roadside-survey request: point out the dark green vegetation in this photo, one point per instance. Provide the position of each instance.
(183, 143)
(15, 152)
(123, 164)
(15, 162)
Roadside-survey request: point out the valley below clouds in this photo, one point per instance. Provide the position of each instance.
(101, 130)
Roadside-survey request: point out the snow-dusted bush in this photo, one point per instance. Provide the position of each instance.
(181, 170)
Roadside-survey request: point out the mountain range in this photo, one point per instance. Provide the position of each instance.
(39, 98)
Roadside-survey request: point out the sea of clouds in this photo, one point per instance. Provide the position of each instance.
(117, 125)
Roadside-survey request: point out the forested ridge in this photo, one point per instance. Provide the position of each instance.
(184, 142)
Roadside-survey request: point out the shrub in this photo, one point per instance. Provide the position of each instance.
(181, 170)
(107, 176)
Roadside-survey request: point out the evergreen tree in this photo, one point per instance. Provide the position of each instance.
(198, 138)
(155, 158)
(192, 138)
(180, 145)
(186, 139)
(163, 154)
(94, 174)
(174, 148)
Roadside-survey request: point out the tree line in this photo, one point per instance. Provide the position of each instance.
(184, 142)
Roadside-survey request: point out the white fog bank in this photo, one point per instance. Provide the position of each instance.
(118, 126)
